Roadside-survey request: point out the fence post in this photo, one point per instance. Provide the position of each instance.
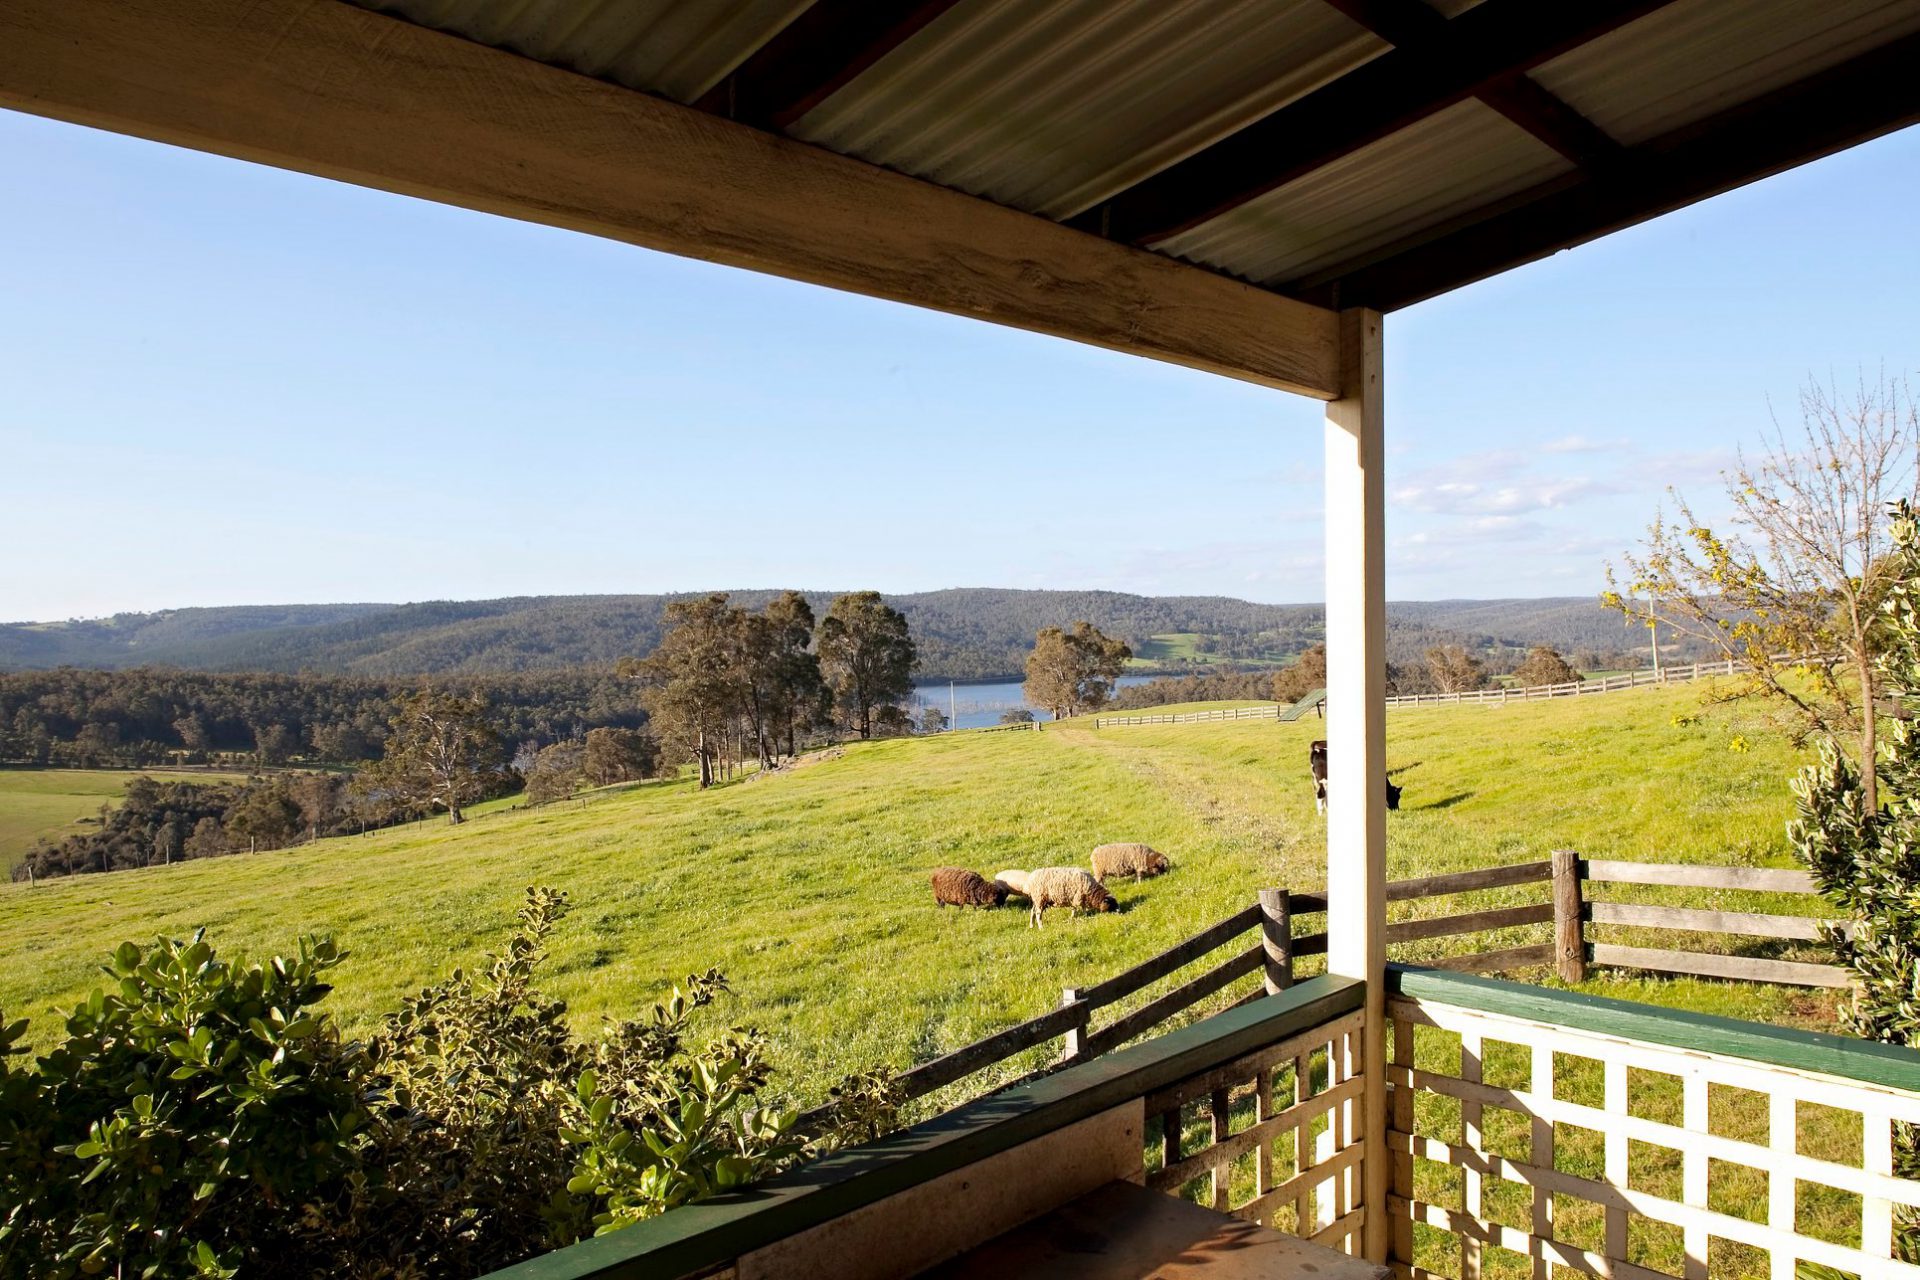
(1076, 1035)
(1569, 931)
(1276, 936)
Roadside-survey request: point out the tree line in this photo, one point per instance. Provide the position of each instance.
(442, 754)
(728, 683)
(961, 634)
(151, 715)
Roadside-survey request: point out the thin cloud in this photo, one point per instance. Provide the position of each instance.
(1577, 443)
(1482, 530)
(1461, 497)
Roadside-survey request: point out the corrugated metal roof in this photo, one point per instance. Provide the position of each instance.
(1051, 107)
(676, 48)
(1443, 166)
(1693, 58)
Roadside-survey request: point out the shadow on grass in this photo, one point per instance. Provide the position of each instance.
(1446, 802)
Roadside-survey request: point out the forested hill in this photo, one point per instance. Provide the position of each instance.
(966, 633)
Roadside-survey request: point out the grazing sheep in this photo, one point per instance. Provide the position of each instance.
(1065, 887)
(1136, 860)
(956, 886)
(1015, 881)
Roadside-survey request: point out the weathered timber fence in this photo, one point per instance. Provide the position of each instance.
(1572, 910)
(1018, 726)
(1575, 688)
(1568, 907)
(1193, 717)
(1497, 697)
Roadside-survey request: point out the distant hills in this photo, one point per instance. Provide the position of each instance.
(964, 633)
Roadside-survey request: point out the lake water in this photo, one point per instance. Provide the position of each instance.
(979, 705)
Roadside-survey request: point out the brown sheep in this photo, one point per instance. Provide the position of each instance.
(956, 886)
(1136, 860)
(1065, 887)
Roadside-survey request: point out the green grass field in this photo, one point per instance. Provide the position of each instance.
(53, 802)
(1184, 646)
(808, 888)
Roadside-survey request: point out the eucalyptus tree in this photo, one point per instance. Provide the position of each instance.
(694, 680)
(442, 755)
(1074, 670)
(867, 655)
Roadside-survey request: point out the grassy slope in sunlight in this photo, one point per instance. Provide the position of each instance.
(55, 802)
(808, 888)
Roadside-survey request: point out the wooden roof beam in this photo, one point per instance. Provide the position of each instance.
(830, 43)
(1410, 23)
(1488, 44)
(339, 91)
(1861, 99)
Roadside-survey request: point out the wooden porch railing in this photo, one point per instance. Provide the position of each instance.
(908, 1201)
(1563, 917)
(1534, 1129)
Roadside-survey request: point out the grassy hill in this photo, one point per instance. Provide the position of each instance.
(53, 802)
(965, 633)
(808, 888)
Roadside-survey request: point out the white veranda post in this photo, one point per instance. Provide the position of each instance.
(1357, 723)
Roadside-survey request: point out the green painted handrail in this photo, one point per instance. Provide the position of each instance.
(1865, 1061)
(698, 1237)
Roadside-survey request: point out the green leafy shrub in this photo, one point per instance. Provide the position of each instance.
(1867, 859)
(190, 1108)
(203, 1119)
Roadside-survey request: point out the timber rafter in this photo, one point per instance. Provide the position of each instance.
(827, 45)
(1860, 99)
(1484, 49)
(342, 92)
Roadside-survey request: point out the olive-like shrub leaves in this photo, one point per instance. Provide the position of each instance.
(1867, 858)
(203, 1119)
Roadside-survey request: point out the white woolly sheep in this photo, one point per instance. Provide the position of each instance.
(1068, 887)
(1015, 881)
(1136, 860)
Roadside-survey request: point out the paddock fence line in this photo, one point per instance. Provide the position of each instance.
(1017, 726)
(1497, 697)
(1566, 916)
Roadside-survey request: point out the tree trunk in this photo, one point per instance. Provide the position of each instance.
(704, 759)
(1869, 738)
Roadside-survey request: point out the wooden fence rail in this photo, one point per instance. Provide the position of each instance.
(1575, 688)
(1498, 697)
(1568, 908)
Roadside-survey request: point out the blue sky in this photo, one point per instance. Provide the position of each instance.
(226, 384)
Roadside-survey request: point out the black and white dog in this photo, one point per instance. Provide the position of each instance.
(1317, 763)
